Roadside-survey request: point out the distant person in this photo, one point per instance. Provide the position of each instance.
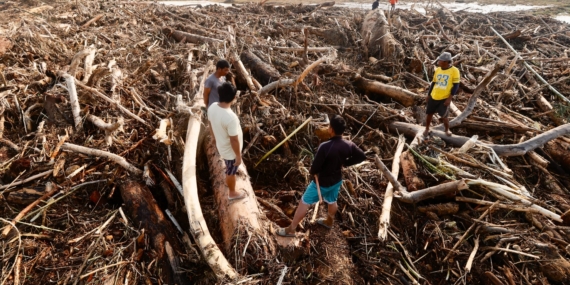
(227, 135)
(331, 156)
(214, 81)
(375, 4)
(443, 87)
(393, 3)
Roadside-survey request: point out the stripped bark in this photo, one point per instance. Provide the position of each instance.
(111, 156)
(503, 150)
(389, 194)
(108, 128)
(73, 100)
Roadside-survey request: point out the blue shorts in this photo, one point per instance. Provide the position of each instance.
(230, 168)
(330, 193)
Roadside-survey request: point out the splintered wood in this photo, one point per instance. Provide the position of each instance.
(101, 107)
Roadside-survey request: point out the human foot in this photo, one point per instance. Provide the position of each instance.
(283, 232)
(239, 195)
(324, 223)
(448, 133)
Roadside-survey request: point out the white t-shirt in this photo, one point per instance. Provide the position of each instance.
(225, 123)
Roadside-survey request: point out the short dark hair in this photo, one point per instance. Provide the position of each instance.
(227, 92)
(338, 124)
(222, 63)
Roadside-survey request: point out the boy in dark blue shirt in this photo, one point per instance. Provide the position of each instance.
(331, 156)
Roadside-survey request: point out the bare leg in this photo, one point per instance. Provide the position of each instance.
(446, 124)
(300, 213)
(428, 123)
(231, 182)
(332, 211)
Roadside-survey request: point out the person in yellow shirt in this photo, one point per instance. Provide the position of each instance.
(444, 86)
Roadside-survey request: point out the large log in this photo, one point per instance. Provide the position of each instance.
(142, 208)
(403, 96)
(377, 40)
(522, 148)
(241, 221)
(560, 152)
(198, 227)
(410, 171)
(181, 36)
(384, 223)
(427, 193)
(263, 72)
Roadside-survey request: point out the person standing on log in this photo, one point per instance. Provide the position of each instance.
(444, 86)
(331, 156)
(393, 3)
(214, 81)
(227, 134)
(375, 4)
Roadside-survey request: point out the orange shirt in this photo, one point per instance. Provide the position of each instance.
(393, 2)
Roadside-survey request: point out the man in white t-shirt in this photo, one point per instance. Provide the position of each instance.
(228, 135)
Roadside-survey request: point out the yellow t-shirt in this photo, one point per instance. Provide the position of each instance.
(444, 80)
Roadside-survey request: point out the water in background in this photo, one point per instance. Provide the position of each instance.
(468, 7)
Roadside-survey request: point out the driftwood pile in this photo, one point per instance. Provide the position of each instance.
(108, 177)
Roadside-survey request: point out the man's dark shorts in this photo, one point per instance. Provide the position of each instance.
(230, 168)
(438, 106)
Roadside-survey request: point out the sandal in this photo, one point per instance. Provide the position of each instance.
(321, 222)
(282, 232)
(243, 195)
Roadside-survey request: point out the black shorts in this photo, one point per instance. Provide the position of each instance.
(230, 168)
(437, 106)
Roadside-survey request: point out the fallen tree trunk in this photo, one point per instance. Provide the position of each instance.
(560, 152)
(410, 172)
(438, 190)
(180, 36)
(263, 72)
(494, 127)
(142, 207)
(301, 49)
(241, 71)
(547, 109)
(389, 193)
(377, 39)
(198, 227)
(241, 221)
(503, 150)
(400, 95)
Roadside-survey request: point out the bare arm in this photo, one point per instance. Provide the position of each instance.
(206, 95)
(234, 141)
